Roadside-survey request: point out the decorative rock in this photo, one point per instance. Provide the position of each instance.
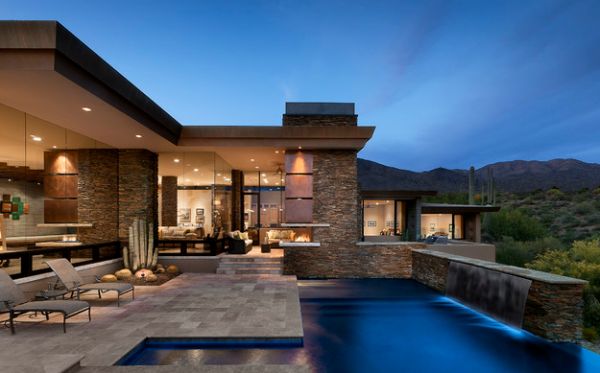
(172, 268)
(123, 274)
(151, 277)
(109, 278)
(143, 273)
(160, 270)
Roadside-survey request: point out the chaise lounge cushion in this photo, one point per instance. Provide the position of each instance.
(70, 278)
(68, 307)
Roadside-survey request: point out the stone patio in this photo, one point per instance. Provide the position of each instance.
(191, 305)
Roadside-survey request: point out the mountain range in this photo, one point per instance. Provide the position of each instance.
(512, 176)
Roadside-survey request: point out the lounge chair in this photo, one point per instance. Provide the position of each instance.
(68, 275)
(13, 301)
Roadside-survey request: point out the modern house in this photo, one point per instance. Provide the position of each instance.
(83, 152)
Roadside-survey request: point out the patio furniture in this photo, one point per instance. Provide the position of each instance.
(239, 242)
(265, 248)
(13, 301)
(68, 275)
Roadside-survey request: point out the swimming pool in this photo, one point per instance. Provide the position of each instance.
(386, 325)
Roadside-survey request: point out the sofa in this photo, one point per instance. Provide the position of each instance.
(180, 233)
(238, 242)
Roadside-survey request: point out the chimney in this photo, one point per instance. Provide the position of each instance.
(319, 114)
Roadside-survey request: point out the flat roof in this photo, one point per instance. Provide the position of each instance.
(307, 137)
(47, 72)
(47, 45)
(447, 208)
(396, 194)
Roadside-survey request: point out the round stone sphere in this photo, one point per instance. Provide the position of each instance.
(123, 274)
(151, 278)
(109, 278)
(172, 268)
(143, 273)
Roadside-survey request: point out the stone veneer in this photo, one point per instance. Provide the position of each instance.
(320, 120)
(138, 188)
(554, 307)
(335, 196)
(168, 190)
(358, 260)
(115, 186)
(98, 199)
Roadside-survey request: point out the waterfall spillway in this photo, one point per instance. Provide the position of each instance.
(498, 294)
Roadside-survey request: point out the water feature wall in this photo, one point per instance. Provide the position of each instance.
(553, 307)
(497, 294)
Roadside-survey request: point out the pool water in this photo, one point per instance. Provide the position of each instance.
(386, 326)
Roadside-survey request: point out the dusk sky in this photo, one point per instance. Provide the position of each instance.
(447, 83)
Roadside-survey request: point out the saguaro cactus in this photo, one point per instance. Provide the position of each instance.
(471, 185)
(140, 253)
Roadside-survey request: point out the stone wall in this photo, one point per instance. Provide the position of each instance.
(320, 120)
(359, 260)
(555, 311)
(98, 196)
(335, 192)
(138, 188)
(554, 307)
(169, 201)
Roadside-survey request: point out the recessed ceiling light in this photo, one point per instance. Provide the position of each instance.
(218, 174)
(86, 109)
(36, 138)
(256, 167)
(138, 136)
(176, 160)
(263, 175)
(276, 151)
(299, 148)
(195, 170)
(251, 159)
(53, 146)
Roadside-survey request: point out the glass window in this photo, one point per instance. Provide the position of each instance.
(203, 192)
(379, 218)
(436, 225)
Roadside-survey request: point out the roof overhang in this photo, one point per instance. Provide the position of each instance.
(290, 137)
(441, 208)
(396, 194)
(48, 72)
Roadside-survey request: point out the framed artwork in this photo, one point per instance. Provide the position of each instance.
(371, 223)
(184, 215)
(432, 227)
(199, 212)
(6, 207)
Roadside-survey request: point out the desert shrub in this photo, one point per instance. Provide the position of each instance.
(512, 223)
(554, 194)
(583, 208)
(582, 261)
(593, 219)
(590, 334)
(518, 253)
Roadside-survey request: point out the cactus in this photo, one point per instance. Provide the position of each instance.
(471, 185)
(140, 252)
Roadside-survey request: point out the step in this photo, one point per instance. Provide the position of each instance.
(251, 260)
(249, 271)
(248, 265)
